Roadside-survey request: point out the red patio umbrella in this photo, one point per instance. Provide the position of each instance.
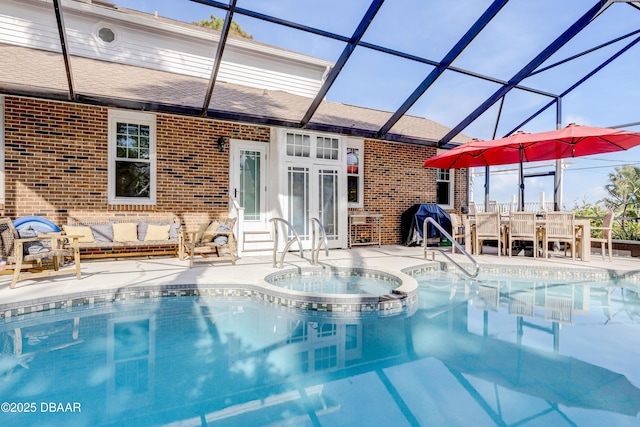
(571, 141)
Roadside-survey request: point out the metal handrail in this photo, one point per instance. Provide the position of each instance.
(453, 242)
(315, 252)
(295, 238)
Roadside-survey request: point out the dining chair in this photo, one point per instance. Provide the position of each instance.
(522, 226)
(457, 230)
(560, 227)
(488, 228)
(605, 239)
(473, 209)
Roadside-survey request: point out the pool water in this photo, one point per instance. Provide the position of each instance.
(490, 352)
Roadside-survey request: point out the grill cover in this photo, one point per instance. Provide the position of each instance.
(411, 223)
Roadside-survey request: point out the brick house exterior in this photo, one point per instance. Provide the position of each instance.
(56, 166)
(63, 156)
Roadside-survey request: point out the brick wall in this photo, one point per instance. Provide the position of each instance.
(56, 162)
(395, 181)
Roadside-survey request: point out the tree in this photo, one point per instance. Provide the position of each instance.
(217, 24)
(624, 200)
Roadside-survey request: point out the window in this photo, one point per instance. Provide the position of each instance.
(298, 145)
(105, 34)
(313, 146)
(355, 186)
(327, 148)
(444, 188)
(132, 158)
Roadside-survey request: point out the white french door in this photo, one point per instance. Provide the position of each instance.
(314, 191)
(248, 182)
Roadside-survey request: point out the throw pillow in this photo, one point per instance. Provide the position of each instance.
(142, 230)
(143, 227)
(30, 248)
(210, 232)
(157, 232)
(85, 233)
(173, 231)
(102, 232)
(125, 232)
(221, 239)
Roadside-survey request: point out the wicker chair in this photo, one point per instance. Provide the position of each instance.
(212, 237)
(33, 257)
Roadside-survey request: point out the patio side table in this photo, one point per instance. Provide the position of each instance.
(365, 229)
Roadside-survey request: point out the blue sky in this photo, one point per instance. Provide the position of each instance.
(429, 29)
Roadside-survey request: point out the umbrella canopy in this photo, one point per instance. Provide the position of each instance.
(571, 141)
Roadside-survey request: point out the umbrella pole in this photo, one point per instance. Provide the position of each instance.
(521, 184)
(486, 188)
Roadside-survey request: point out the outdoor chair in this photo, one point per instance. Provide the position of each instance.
(522, 226)
(29, 255)
(605, 239)
(487, 228)
(213, 237)
(457, 230)
(560, 227)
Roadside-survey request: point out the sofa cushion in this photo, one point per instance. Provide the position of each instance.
(85, 232)
(125, 232)
(102, 232)
(173, 230)
(210, 232)
(143, 228)
(30, 248)
(157, 232)
(221, 239)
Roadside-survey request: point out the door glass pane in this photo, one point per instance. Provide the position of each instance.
(298, 184)
(249, 197)
(352, 188)
(328, 186)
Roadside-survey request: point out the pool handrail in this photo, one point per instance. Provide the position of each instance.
(296, 238)
(315, 252)
(453, 242)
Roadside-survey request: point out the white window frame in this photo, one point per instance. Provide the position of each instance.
(116, 116)
(451, 181)
(359, 145)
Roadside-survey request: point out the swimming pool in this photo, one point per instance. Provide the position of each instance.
(494, 351)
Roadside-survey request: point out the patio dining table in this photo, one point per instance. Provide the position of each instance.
(582, 227)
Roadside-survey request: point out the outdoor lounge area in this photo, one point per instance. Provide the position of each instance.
(229, 189)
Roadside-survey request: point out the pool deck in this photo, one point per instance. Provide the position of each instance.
(127, 273)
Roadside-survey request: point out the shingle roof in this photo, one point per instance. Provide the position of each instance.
(26, 71)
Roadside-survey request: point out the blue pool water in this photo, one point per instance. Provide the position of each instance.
(491, 352)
